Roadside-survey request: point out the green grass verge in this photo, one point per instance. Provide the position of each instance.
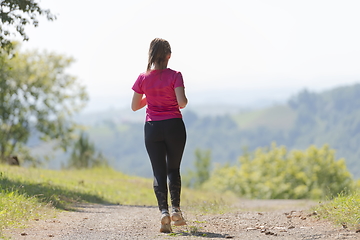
(16, 209)
(343, 210)
(29, 193)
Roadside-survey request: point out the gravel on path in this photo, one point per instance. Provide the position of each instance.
(251, 219)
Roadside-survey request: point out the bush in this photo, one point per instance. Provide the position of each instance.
(276, 173)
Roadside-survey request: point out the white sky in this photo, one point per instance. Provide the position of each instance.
(258, 48)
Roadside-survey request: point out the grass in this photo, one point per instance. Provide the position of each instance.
(212, 205)
(343, 210)
(63, 188)
(29, 193)
(16, 209)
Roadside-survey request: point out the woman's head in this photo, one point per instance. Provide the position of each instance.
(159, 53)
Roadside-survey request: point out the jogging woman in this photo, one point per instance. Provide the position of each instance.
(161, 89)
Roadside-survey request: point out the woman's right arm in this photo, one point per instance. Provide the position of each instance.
(138, 101)
(181, 97)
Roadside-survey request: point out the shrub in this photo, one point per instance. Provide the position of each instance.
(275, 173)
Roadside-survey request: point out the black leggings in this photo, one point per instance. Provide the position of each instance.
(165, 143)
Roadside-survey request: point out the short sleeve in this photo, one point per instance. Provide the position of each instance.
(179, 81)
(137, 85)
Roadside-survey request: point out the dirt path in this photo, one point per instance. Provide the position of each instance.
(256, 219)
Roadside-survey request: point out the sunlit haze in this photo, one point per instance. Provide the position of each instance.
(228, 51)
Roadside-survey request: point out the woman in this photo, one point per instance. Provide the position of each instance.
(162, 90)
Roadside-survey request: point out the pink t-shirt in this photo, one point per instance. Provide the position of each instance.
(159, 88)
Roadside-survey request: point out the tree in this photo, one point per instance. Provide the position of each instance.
(36, 94)
(201, 174)
(84, 154)
(15, 15)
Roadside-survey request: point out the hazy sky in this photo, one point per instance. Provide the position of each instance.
(267, 49)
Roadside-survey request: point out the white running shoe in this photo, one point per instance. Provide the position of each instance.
(177, 217)
(165, 223)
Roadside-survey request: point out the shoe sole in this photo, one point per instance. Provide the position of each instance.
(165, 225)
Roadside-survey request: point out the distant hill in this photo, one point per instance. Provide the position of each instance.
(331, 117)
(308, 118)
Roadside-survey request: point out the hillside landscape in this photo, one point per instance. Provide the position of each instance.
(269, 92)
(308, 118)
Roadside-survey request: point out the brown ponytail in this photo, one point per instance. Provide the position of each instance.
(158, 51)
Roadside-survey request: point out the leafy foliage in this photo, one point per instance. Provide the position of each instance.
(15, 15)
(202, 164)
(332, 117)
(84, 154)
(276, 173)
(37, 93)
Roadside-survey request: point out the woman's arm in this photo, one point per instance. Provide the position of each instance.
(138, 101)
(181, 97)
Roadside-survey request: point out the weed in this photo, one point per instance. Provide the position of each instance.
(174, 234)
(193, 230)
(196, 221)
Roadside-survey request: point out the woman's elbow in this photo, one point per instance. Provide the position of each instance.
(134, 107)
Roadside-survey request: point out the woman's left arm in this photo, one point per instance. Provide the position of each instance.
(138, 101)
